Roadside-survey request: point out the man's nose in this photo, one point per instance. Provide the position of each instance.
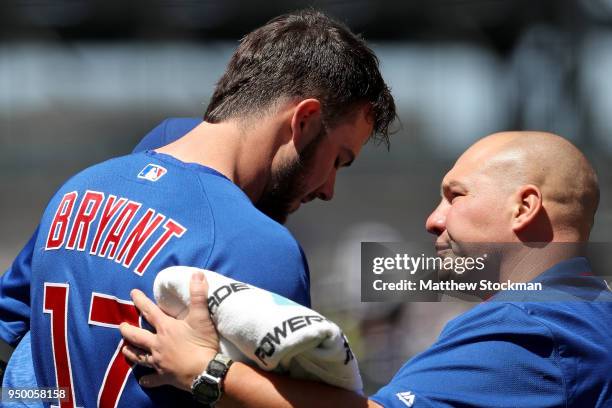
(326, 191)
(436, 222)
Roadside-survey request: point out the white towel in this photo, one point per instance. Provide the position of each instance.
(258, 326)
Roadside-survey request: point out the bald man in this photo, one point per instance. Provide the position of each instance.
(531, 196)
(509, 191)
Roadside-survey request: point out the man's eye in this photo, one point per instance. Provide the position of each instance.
(454, 195)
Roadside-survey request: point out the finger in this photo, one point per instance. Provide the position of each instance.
(198, 305)
(148, 309)
(153, 380)
(198, 291)
(129, 354)
(138, 337)
(136, 355)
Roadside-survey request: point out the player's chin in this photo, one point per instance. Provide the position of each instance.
(279, 215)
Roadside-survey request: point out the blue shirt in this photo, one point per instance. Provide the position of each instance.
(519, 354)
(172, 213)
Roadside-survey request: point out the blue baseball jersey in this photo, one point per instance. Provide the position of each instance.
(135, 214)
(109, 230)
(519, 354)
(15, 282)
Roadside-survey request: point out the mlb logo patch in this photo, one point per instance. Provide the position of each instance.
(406, 397)
(152, 172)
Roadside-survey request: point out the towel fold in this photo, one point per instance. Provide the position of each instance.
(261, 327)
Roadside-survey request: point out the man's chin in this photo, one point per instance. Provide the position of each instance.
(445, 275)
(448, 272)
(280, 217)
(281, 214)
(294, 208)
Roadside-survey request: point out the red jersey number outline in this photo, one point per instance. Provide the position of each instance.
(106, 311)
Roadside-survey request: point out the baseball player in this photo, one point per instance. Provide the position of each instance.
(299, 98)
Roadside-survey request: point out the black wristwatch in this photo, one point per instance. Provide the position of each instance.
(208, 386)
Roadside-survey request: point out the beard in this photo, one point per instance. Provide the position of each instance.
(288, 183)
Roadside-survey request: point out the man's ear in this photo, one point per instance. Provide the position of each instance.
(527, 206)
(306, 123)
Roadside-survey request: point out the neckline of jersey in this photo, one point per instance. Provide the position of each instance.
(194, 166)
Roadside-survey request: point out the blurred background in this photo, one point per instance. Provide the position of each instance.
(83, 81)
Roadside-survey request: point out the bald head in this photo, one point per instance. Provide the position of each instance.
(565, 178)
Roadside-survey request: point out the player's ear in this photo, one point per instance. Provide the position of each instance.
(527, 205)
(306, 123)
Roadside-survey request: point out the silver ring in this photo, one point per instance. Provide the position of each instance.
(146, 358)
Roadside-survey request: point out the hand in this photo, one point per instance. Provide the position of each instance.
(180, 350)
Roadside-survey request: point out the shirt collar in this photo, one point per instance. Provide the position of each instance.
(578, 266)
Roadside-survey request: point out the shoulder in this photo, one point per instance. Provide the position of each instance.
(84, 179)
(251, 247)
(102, 168)
(567, 325)
(498, 346)
(237, 218)
(490, 317)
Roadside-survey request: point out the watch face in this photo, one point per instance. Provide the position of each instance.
(207, 390)
(207, 387)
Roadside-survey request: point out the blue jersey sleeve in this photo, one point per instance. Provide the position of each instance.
(495, 356)
(15, 295)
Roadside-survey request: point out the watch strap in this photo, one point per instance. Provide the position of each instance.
(218, 366)
(207, 388)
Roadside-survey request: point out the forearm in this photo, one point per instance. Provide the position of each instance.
(180, 350)
(249, 387)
